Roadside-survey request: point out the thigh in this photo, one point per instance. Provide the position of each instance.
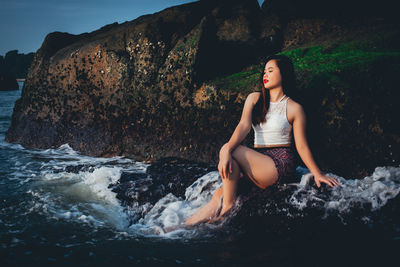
(258, 167)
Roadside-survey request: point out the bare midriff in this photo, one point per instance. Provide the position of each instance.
(262, 146)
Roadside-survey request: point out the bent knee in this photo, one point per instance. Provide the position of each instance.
(238, 150)
(264, 181)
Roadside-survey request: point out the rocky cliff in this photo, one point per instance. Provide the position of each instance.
(173, 83)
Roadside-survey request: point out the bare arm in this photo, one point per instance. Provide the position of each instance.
(244, 125)
(299, 132)
(240, 133)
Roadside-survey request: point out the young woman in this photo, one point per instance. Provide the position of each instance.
(273, 116)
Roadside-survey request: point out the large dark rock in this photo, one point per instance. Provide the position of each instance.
(160, 85)
(269, 214)
(127, 89)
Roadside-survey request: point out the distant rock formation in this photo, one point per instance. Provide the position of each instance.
(16, 64)
(146, 88)
(8, 82)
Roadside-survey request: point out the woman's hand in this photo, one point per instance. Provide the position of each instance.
(325, 179)
(225, 163)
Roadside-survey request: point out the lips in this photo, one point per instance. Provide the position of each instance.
(265, 80)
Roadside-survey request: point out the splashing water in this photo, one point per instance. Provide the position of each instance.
(374, 190)
(68, 186)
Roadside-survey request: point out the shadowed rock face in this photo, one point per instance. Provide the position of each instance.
(145, 88)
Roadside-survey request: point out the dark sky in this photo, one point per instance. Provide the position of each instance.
(25, 23)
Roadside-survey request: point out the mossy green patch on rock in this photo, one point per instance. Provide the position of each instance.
(348, 93)
(340, 56)
(240, 82)
(347, 90)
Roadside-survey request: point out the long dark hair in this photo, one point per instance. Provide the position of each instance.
(286, 68)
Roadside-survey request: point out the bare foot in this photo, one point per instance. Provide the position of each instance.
(224, 214)
(208, 211)
(225, 210)
(216, 220)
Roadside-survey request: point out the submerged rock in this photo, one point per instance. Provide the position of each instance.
(168, 175)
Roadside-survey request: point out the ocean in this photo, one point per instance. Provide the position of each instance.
(59, 207)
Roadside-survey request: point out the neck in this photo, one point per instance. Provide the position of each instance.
(276, 94)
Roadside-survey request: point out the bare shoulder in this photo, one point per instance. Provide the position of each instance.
(253, 97)
(293, 105)
(294, 110)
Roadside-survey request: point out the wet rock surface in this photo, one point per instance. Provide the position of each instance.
(169, 175)
(271, 213)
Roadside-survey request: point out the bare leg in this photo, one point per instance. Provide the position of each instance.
(207, 211)
(228, 191)
(258, 167)
(230, 188)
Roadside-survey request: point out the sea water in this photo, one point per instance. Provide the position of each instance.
(52, 215)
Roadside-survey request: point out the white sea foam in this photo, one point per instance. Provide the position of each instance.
(67, 185)
(84, 196)
(5, 145)
(57, 158)
(374, 190)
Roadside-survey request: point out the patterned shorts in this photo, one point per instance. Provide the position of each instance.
(285, 162)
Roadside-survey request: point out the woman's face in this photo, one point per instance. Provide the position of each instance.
(272, 76)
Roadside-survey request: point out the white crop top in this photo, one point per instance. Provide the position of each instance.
(276, 130)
